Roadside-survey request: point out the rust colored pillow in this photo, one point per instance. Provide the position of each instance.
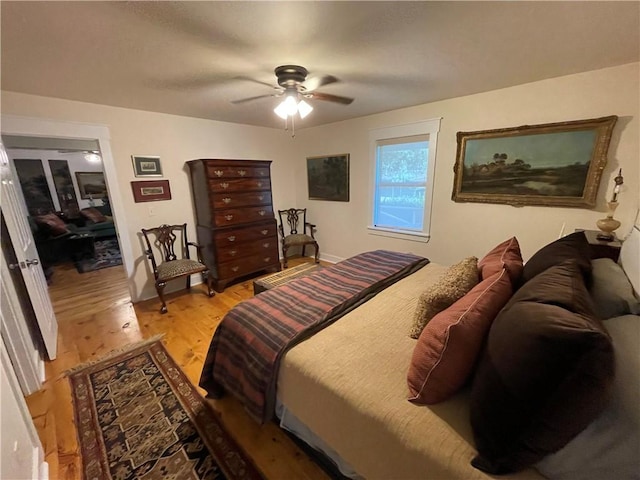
(51, 223)
(450, 344)
(505, 255)
(453, 285)
(93, 214)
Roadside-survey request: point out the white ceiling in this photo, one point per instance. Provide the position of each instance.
(185, 57)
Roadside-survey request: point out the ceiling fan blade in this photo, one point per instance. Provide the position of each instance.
(317, 82)
(249, 79)
(331, 98)
(249, 99)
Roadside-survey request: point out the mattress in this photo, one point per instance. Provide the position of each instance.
(348, 386)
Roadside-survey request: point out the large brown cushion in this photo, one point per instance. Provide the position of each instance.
(51, 223)
(572, 247)
(449, 345)
(93, 214)
(456, 281)
(545, 374)
(505, 255)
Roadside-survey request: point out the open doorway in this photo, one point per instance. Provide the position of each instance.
(68, 204)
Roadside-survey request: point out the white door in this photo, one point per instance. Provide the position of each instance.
(15, 215)
(21, 453)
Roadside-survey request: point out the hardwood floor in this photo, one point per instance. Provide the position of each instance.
(95, 316)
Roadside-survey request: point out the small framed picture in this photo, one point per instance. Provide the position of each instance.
(146, 166)
(151, 190)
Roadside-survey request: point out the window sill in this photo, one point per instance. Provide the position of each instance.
(400, 234)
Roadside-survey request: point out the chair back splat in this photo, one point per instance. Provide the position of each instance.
(171, 245)
(295, 219)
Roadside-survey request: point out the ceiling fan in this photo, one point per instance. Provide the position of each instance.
(293, 83)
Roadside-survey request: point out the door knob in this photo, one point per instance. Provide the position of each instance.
(13, 266)
(32, 262)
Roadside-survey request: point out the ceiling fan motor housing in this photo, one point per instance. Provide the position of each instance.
(290, 75)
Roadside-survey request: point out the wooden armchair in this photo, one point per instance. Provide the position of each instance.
(293, 218)
(173, 264)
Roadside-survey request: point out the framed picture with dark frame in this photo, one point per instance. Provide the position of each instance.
(554, 164)
(91, 185)
(146, 166)
(328, 177)
(151, 190)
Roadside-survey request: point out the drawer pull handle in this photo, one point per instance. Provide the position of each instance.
(259, 184)
(219, 173)
(264, 232)
(266, 244)
(228, 217)
(235, 269)
(224, 185)
(263, 173)
(226, 200)
(232, 238)
(261, 213)
(233, 253)
(260, 197)
(266, 259)
(242, 173)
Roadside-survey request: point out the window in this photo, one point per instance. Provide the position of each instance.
(403, 159)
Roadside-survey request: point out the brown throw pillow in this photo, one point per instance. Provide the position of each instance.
(454, 284)
(93, 214)
(505, 255)
(572, 247)
(450, 344)
(545, 374)
(52, 224)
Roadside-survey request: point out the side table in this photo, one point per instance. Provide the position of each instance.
(82, 245)
(601, 248)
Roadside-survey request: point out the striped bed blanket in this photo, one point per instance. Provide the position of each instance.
(246, 349)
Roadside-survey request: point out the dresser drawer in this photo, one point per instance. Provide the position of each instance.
(243, 266)
(247, 249)
(239, 185)
(235, 199)
(238, 216)
(233, 171)
(235, 236)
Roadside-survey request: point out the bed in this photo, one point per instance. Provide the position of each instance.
(344, 389)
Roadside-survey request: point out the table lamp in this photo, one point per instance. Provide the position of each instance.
(609, 224)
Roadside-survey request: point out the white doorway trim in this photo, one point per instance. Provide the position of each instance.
(40, 127)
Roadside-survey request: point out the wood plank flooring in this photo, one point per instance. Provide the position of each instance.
(96, 316)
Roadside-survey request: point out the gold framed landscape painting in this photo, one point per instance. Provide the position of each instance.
(555, 164)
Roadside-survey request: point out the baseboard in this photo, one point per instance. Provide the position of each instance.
(330, 258)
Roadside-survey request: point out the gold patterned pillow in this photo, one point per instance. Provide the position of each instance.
(454, 284)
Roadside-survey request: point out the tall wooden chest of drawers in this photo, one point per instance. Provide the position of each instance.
(236, 225)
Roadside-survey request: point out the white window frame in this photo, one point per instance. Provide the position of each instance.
(428, 128)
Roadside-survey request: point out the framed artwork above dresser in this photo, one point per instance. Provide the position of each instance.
(235, 222)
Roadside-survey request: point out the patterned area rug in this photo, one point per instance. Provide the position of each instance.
(107, 254)
(139, 417)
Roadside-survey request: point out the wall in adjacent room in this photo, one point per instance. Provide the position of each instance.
(175, 140)
(463, 229)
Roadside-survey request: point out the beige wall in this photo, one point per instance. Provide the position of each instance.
(457, 229)
(462, 229)
(175, 139)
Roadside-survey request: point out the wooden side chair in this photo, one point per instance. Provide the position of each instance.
(170, 243)
(296, 218)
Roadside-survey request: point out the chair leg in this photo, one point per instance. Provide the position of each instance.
(206, 278)
(284, 256)
(188, 282)
(317, 252)
(160, 289)
(304, 247)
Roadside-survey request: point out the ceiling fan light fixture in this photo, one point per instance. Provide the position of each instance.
(92, 157)
(304, 109)
(281, 111)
